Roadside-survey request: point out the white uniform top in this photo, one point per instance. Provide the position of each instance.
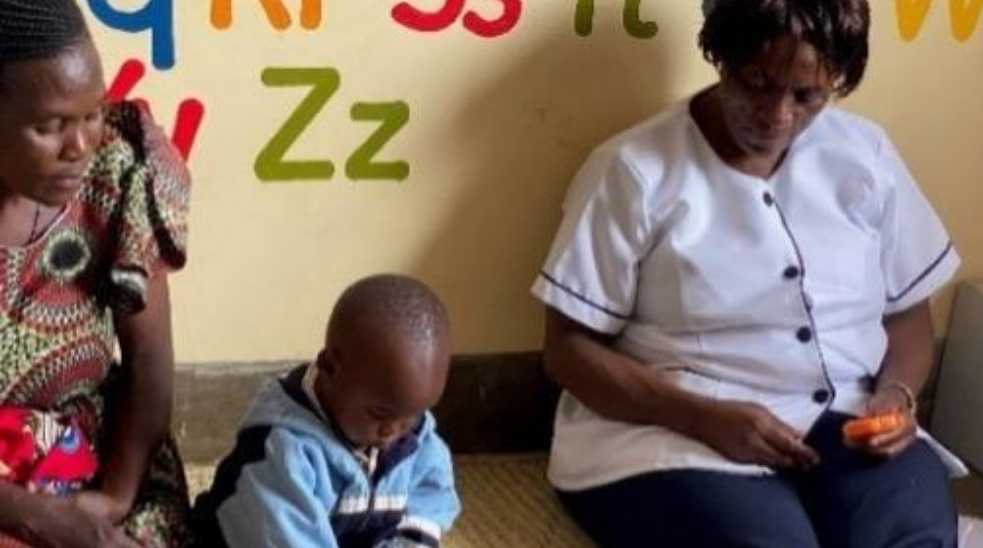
(771, 291)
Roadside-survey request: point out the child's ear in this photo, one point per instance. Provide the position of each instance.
(327, 364)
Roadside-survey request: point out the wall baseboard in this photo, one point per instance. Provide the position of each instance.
(493, 403)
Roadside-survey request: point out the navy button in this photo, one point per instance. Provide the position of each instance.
(791, 272)
(820, 396)
(804, 334)
(768, 199)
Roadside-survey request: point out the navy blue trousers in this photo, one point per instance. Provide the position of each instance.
(850, 500)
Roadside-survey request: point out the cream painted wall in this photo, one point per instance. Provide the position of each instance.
(497, 126)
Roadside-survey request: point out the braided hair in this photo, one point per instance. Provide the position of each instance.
(36, 29)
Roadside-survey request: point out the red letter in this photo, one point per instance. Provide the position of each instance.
(511, 12)
(410, 17)
(189, 113)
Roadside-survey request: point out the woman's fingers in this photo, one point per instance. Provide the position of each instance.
(771, 456)
(890, 444)
(779, 445)
(788, 443)
(803, 455)
(749, 433)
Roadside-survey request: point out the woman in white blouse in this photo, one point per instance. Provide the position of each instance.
(733, 280)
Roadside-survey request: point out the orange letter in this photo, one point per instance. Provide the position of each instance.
(276, 13)
(911, 15)
(963, 17)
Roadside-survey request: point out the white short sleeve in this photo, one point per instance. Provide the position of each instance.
(917, 256)
(592, 268)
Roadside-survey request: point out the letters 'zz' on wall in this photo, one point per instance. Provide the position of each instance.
(361, 165)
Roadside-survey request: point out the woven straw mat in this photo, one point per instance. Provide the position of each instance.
(506, 504)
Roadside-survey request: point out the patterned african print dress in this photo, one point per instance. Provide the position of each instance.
(58, 294)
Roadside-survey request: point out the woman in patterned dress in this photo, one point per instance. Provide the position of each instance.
(93, 204)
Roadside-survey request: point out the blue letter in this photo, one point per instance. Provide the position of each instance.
(156, 16)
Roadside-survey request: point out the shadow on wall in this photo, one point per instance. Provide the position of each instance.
(560, 99)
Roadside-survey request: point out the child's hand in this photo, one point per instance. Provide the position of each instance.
(99, 504)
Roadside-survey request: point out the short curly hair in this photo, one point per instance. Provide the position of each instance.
(734, 31)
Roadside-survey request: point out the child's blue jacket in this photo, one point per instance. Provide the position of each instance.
(292, 481)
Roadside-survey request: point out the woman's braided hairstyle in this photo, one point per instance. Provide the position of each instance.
(36, 29)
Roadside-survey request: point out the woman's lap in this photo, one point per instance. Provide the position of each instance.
(691, 508)
(847, 501)
(159, 516)
(858, 502)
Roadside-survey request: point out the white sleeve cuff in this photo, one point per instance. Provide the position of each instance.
(577, 306)
(927, 282)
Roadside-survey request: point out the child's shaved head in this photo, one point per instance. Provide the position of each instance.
(390, 302)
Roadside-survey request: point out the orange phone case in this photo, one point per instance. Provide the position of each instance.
(867, 427)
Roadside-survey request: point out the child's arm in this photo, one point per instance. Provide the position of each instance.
(274, 502)
(432, 505)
